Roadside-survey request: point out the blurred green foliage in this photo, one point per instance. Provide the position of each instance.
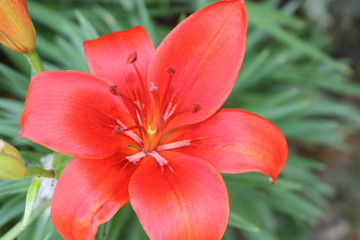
(287, 77)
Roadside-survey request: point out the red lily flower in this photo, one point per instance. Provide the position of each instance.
(145, 127)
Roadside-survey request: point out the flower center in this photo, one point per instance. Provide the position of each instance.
(151, 112)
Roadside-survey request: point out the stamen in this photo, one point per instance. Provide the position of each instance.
(154, 90)
(132, 57)
(118, 129)
(145, 97)
(136, 157)
(171, 71)
(169, 111)
(129, 132)
(143, 86)
(139, 113)
(195, 108)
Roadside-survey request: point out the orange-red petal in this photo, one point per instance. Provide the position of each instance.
(236, 141)
(108, 56)
(89, 193)
(74, 113)
(184, 200)
(206, 51)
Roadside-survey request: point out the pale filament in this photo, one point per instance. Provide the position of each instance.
(170, 109)
(129, 133)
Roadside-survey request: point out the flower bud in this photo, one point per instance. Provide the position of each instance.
(16, 29)
(12, 166)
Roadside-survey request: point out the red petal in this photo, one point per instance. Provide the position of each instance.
(89, 193)
(107, 56)
(236, 141)
(206, 51)
(188, 202)
(73, 113)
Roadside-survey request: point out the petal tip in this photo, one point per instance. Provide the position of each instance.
(272, 180)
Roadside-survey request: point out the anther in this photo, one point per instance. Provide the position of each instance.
(128, 131)
(132, 57)
(171, 71)
(114, 90)
(117, 130)
(196, 108)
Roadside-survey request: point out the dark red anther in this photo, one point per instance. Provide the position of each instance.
(117, 130)
(171, 71)
(196, 108)
(114, 90)
(132, 57)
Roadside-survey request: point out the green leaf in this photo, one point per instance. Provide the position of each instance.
(271, 26)
(13, 187)
(31, 198)
(13, 81)
(237, 221)
(280, 17)
(59, 163)
(87, 28)
(12, 208)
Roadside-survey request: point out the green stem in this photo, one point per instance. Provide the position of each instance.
(39, 172)
(35, 61)
(19, 227)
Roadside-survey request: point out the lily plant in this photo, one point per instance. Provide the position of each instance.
(145, 127)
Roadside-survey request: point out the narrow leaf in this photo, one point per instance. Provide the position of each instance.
(31, 198)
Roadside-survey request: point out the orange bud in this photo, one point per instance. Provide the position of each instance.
(16, 29)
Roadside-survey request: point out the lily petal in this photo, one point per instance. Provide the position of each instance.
(89, 193)
(236, 141)
(184, 200)
(206, 51)
(100, 55)
(74, 113)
